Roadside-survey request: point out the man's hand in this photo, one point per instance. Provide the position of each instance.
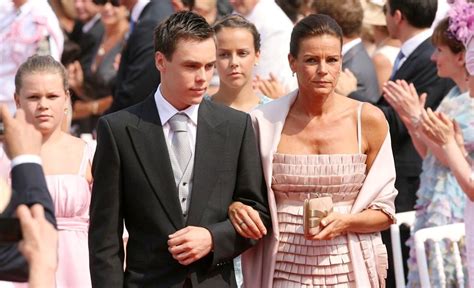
(190, 244)
(39, 245)
(20, 137)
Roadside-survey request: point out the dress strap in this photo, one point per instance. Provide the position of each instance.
(87, 156)
(359, 127)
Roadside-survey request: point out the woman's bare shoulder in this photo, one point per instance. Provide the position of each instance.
(374, 125)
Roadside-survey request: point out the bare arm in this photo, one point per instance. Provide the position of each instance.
(447, 134)
(374, 132)
(383, 68)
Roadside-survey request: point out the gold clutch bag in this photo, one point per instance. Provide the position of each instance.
(314, 210)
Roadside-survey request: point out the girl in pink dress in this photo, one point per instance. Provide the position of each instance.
(42, 92)
(316, 143)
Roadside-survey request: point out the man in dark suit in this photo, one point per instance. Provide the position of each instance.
(137, 76)
(22, 143)
(170, 167)
(409, 21)
(349, 14)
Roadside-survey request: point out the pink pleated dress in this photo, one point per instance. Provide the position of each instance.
(312, 263)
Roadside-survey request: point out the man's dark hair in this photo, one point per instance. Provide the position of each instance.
(183, 25)
(314, 25)
(419, 13)
(347, 13)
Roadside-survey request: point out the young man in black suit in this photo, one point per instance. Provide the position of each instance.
(409, 21)
(22, 144)
(173, 185)
(137, 76)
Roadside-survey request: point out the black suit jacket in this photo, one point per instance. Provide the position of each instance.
(133, 181)
(137, 75)
(358, 61)
(29, 187)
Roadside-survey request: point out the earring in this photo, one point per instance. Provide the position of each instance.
(293, 74)
(66, 111)
(256, 64)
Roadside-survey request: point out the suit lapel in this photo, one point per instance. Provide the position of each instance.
(210, 148)
(152, 152)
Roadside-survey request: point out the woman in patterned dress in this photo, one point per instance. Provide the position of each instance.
(440, 199)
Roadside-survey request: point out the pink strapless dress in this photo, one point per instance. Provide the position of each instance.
(308, 263)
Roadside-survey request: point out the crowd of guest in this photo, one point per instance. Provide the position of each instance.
(208, 143)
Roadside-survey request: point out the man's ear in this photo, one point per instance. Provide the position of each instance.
(398, 16)
(160, 61)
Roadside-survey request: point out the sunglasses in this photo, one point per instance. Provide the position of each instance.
(114, 3)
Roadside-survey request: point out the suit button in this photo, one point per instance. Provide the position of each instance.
(184, 215)
(184, 199)
(184, 183)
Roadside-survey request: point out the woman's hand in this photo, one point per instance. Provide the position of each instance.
(333, 225)
(246, 221)
(271, 87)
(437, 127)
(405, 100)
(347, 83)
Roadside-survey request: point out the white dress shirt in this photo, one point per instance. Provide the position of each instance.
(349, 45)
(166, 111)
(89, 24)
(138, 9)
(411, 44)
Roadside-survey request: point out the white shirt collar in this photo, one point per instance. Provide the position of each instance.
(89, 24)
(349, 45)
(138, 9)
(411, 44)
(166, 110)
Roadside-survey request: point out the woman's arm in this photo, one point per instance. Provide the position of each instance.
(367, 221)
(246, 221)
(447, 134)
(374, 132)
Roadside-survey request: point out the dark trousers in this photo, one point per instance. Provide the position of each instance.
(405, 201)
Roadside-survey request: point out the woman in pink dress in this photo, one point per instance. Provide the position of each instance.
(316, 143)
(42, 92)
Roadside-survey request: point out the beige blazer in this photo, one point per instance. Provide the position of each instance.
(377, 192)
